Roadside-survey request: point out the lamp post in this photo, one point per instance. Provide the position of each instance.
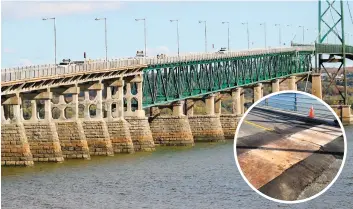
(105, 34)
(177, 23)
(301, 26)
(264, 24)
(292, 36)
(204, 21)
(247, 32)
(279, 34)
(228, 32)
(53, 18)
(144, 29)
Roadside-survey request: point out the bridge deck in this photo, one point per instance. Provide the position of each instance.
(22, 74)
(270, 147)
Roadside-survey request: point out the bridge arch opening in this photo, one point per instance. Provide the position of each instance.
(26, 109)
(134, 104)
(93, 110)
(69, 113)
(68, 98)
(56, 112)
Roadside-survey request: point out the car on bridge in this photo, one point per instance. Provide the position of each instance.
(222, 50)
(140, 54)
(161, 56)
(67, 62)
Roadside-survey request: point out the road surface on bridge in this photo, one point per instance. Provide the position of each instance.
(287, 158)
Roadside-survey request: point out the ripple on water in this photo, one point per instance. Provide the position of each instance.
(204, 176)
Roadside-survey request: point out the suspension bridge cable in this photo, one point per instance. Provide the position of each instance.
(350, 13)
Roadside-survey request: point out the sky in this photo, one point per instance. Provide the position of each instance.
(28, 40)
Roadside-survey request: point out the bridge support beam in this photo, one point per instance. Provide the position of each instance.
(190, 107)
(230, 121)
(70, 130)
(207, 127)
(140, 131)
(15, 148)
(258, 93)
(118, 127)
(292, 85)
(41, 132)
(95, 128)
(275, 85)
(242, 101)
(218, 104)
(172, 130)
(316, 85)
(344, 113)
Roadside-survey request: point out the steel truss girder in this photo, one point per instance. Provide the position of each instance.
(169, 83)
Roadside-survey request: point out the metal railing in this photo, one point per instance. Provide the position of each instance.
(29, 72)
(299, 104)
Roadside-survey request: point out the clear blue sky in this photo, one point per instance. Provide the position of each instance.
(26, 39)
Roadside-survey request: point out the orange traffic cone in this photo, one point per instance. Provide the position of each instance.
(311, 112)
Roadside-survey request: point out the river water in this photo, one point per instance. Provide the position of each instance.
(204, 176)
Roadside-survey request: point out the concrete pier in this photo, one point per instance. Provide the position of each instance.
(207, 127)
(171, 130)
(258, 93)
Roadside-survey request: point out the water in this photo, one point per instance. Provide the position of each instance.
(204, 176)
(298, 103)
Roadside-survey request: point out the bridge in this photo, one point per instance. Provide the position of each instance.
(121, 106)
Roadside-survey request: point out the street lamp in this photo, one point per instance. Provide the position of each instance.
(105, 34)
(292, 35)
(301, 26)
(264, 24)
(144, 28)
(228, 32)
(200, 21)
(247, 32)
(53, 18)
(177, 21)
(279, 34)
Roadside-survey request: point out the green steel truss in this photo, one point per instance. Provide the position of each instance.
(167, 83)
(326, 14)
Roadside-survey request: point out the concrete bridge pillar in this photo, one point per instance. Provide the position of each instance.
(207, 127)
(218, 104)
(275, 85)
(230, 121)
(236, 101)
(139, 127)
(316, 85)
(42, 135)
(292, 83)
(344, 113)
(95, 128)
(171, 130)
(178, 109)
(15, 148)
(118, 127)
(258, 93)
(190, 107)
(3, 119)
(70, 129)
(210, 103)
(242, 101)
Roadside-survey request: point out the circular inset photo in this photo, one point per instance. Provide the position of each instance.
(290, 147)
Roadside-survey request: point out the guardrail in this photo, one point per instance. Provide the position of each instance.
(13, 74)
(298, 103)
